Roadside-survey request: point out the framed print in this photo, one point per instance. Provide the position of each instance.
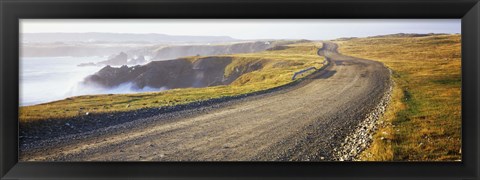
(230, 89)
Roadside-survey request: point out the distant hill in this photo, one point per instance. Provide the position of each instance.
(119, 37)
(397, 35)
(407, 35)
(172, 52)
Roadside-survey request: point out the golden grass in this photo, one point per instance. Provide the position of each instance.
(278, 68)
(423, 120)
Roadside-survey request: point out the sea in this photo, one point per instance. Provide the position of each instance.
(47, 79)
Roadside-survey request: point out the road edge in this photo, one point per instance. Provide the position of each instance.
(362, 137)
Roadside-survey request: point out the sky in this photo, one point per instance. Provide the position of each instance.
(313, 29)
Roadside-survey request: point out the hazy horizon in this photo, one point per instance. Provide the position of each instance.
(246, 29)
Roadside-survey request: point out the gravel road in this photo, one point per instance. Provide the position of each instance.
(305, 122)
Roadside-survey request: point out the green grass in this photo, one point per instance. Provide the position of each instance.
(277, 69)
(423, 120)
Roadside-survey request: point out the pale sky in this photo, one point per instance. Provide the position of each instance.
(315, 29)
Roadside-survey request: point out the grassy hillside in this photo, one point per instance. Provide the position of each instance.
(276, 68)
(423, 120)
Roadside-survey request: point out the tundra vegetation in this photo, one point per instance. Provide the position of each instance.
(277, 67)
(423, 120)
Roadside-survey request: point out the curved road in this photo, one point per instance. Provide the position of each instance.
(302, 123)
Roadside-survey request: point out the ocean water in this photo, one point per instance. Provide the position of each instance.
(46, 79)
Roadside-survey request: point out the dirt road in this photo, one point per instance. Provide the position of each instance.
(304, 122)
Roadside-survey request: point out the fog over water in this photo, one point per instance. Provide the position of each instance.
(45, 79)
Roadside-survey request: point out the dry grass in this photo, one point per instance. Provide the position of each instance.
(423, 120)
(278, 68)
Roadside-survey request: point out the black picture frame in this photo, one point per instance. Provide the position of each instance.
(13, 10)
